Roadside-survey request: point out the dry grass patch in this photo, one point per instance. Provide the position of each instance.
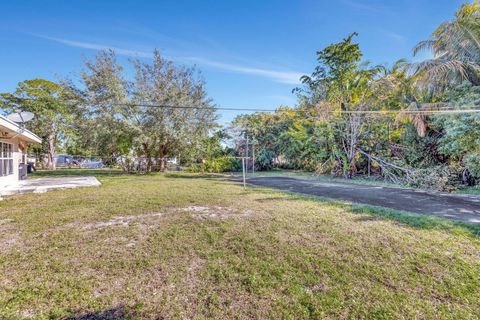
(216, 212)
(9, 235)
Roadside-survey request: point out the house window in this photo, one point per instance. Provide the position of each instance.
(6, 159)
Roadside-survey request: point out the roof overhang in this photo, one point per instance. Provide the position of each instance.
(10, 129)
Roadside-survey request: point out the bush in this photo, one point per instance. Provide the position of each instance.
(218, 165)
(264, 159)
(442, 178)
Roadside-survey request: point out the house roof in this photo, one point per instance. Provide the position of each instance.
(15, 130)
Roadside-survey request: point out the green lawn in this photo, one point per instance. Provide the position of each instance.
(187, 246)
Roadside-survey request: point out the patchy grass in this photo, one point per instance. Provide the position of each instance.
(187, 246)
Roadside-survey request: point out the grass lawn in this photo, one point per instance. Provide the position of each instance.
(186, 246)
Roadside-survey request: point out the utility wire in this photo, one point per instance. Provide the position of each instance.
(305, 111)
(244, 109)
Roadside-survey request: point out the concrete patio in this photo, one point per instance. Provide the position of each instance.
(41, 185)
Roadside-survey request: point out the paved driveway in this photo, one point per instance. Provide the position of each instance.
(40, 185)
(459, 207)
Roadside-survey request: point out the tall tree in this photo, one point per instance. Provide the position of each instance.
(52, 106)
(339, 86)
(164, 111)
(182, 114)
(104, 92)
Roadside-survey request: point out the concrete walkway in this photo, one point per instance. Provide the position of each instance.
(452, 206)
(41, 185)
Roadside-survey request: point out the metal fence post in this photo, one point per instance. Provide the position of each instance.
(253, 156)
(246, 156)
(243, 172)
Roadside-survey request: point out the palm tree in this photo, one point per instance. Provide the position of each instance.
(456, 49)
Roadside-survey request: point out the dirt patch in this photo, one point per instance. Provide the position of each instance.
(115, 222)
(120, 221)
(192, 278)
(145, 220)
(215, 212)
(9, 235)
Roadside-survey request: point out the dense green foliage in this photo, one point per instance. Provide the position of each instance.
(407, 124)
(217, 165)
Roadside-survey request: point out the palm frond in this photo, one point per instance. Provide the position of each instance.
(425, 45)
(455, 46)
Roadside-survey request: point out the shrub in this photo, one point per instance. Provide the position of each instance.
(442, 178)
(264, 159)
(218, 165)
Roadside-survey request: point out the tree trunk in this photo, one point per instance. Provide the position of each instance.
(369, 166)
(354, 126)
(51, 165)
(161, 156)
(149, 165)
(162, 164)
(147, 152)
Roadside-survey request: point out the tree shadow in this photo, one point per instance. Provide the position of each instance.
(416, 220)
(116, 313)
(175, 175)
(268, 199)
(65, 172)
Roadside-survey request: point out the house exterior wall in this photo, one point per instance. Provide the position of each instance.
(15, 135)
(17, 158)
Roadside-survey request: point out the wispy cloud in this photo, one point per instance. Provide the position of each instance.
(288, 77)
(94, 46)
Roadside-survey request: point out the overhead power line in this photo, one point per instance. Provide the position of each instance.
(258, 109)
(304, 111)
(191, 107)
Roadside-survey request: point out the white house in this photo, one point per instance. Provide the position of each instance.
(14, 141)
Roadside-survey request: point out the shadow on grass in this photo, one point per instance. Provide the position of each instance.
(269, 199)
(65, 172)
(107, 172)
(117, 313)
(186, 175)
(415, 220)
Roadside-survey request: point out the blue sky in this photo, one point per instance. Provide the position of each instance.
(251, 53)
